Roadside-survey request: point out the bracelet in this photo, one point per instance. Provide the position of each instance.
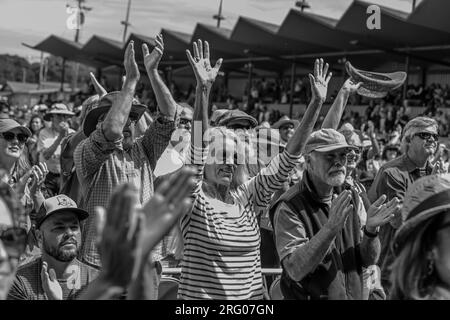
(369, 234)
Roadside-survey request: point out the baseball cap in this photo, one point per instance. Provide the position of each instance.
(325, 140)
(9, 124)
(58, 204)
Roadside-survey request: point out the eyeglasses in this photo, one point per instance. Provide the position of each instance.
(427, 135)
(14, 240)
(10, 136)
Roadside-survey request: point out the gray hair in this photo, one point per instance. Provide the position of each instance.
(414, 126)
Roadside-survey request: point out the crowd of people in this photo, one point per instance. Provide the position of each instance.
(96, 202)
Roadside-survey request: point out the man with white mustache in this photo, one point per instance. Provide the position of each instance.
(319, 240)
(58, 274)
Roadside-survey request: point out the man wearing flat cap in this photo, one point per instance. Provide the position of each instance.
(318, 239)
(49, 145)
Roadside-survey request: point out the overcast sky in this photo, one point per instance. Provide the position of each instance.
(31, 21)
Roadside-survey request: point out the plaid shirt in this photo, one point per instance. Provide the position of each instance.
(103, 165)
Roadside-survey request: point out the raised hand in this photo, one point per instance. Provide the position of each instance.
(152, 59)
(131, 67)
(319, 82)
(63, 128)
(50, 284)
(340, 209)
(380, 213)
(119, 228)
(37, 178)
(351, 86)
(204, 73)
(97, 86)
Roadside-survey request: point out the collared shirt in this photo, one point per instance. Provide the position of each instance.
(393, 180)
(48, 136)
(103, 165)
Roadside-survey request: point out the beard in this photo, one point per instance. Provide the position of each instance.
(336, 179)
(59, 253)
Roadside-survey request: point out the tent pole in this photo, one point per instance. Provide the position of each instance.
(250, 79)
(291, 99)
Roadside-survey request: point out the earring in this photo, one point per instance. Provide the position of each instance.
(430, 267)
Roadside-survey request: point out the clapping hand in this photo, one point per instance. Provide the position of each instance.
(152, 59)
(319, 82)
(131, 67)
(350, 86)
(204, 73)
(380, 213)
(50, 283)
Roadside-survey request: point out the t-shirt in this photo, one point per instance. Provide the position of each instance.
(28, 285)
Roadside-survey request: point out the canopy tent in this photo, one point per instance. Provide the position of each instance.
(423, 36)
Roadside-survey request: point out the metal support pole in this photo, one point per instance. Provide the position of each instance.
(63, 73)
(291, 106)
(405, 86)
(250, 79)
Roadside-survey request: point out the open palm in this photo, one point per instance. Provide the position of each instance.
(204, 72)
(319, 82)
(152, 59)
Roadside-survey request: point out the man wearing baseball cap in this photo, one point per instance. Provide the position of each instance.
(49, 145)
(319, 239)
(58, 274)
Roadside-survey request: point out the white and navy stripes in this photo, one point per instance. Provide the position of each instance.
(221, 258)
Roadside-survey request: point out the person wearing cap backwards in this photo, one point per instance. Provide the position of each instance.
(111, 154)
(13, 238)
(420, 139)
(421, 269)
(49, 145)
(221, 256)
(57, 274)
(320, 241)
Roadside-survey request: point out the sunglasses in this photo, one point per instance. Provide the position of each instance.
(427, 135)
(10, 136)
(14, 240)
(238, 126)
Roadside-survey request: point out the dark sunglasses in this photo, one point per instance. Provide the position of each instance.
(238, 126)
(185, 121)
(427, 135)
(14, 240)
(10, 136)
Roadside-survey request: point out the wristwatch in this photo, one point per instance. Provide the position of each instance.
(370, 234)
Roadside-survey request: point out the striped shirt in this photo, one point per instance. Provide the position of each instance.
(221, 258)
(102, 166)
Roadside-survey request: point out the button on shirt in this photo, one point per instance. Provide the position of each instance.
(102, 166)
(48, 136)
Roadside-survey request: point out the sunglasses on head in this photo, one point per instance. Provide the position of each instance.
(427, 135)
(10, 136)
(14, 240)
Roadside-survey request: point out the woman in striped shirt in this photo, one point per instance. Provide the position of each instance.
(221, 258)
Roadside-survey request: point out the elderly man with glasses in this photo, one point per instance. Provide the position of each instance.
(419, 142)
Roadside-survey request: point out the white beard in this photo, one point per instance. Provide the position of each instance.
(336, 180)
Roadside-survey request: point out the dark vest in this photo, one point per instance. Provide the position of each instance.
(339, 274)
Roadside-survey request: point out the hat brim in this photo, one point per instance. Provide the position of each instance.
(48, 115)
(409, 226)
(333, 147)
(17, 126)
(279, 124)
(81, 214)
(91, 120)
